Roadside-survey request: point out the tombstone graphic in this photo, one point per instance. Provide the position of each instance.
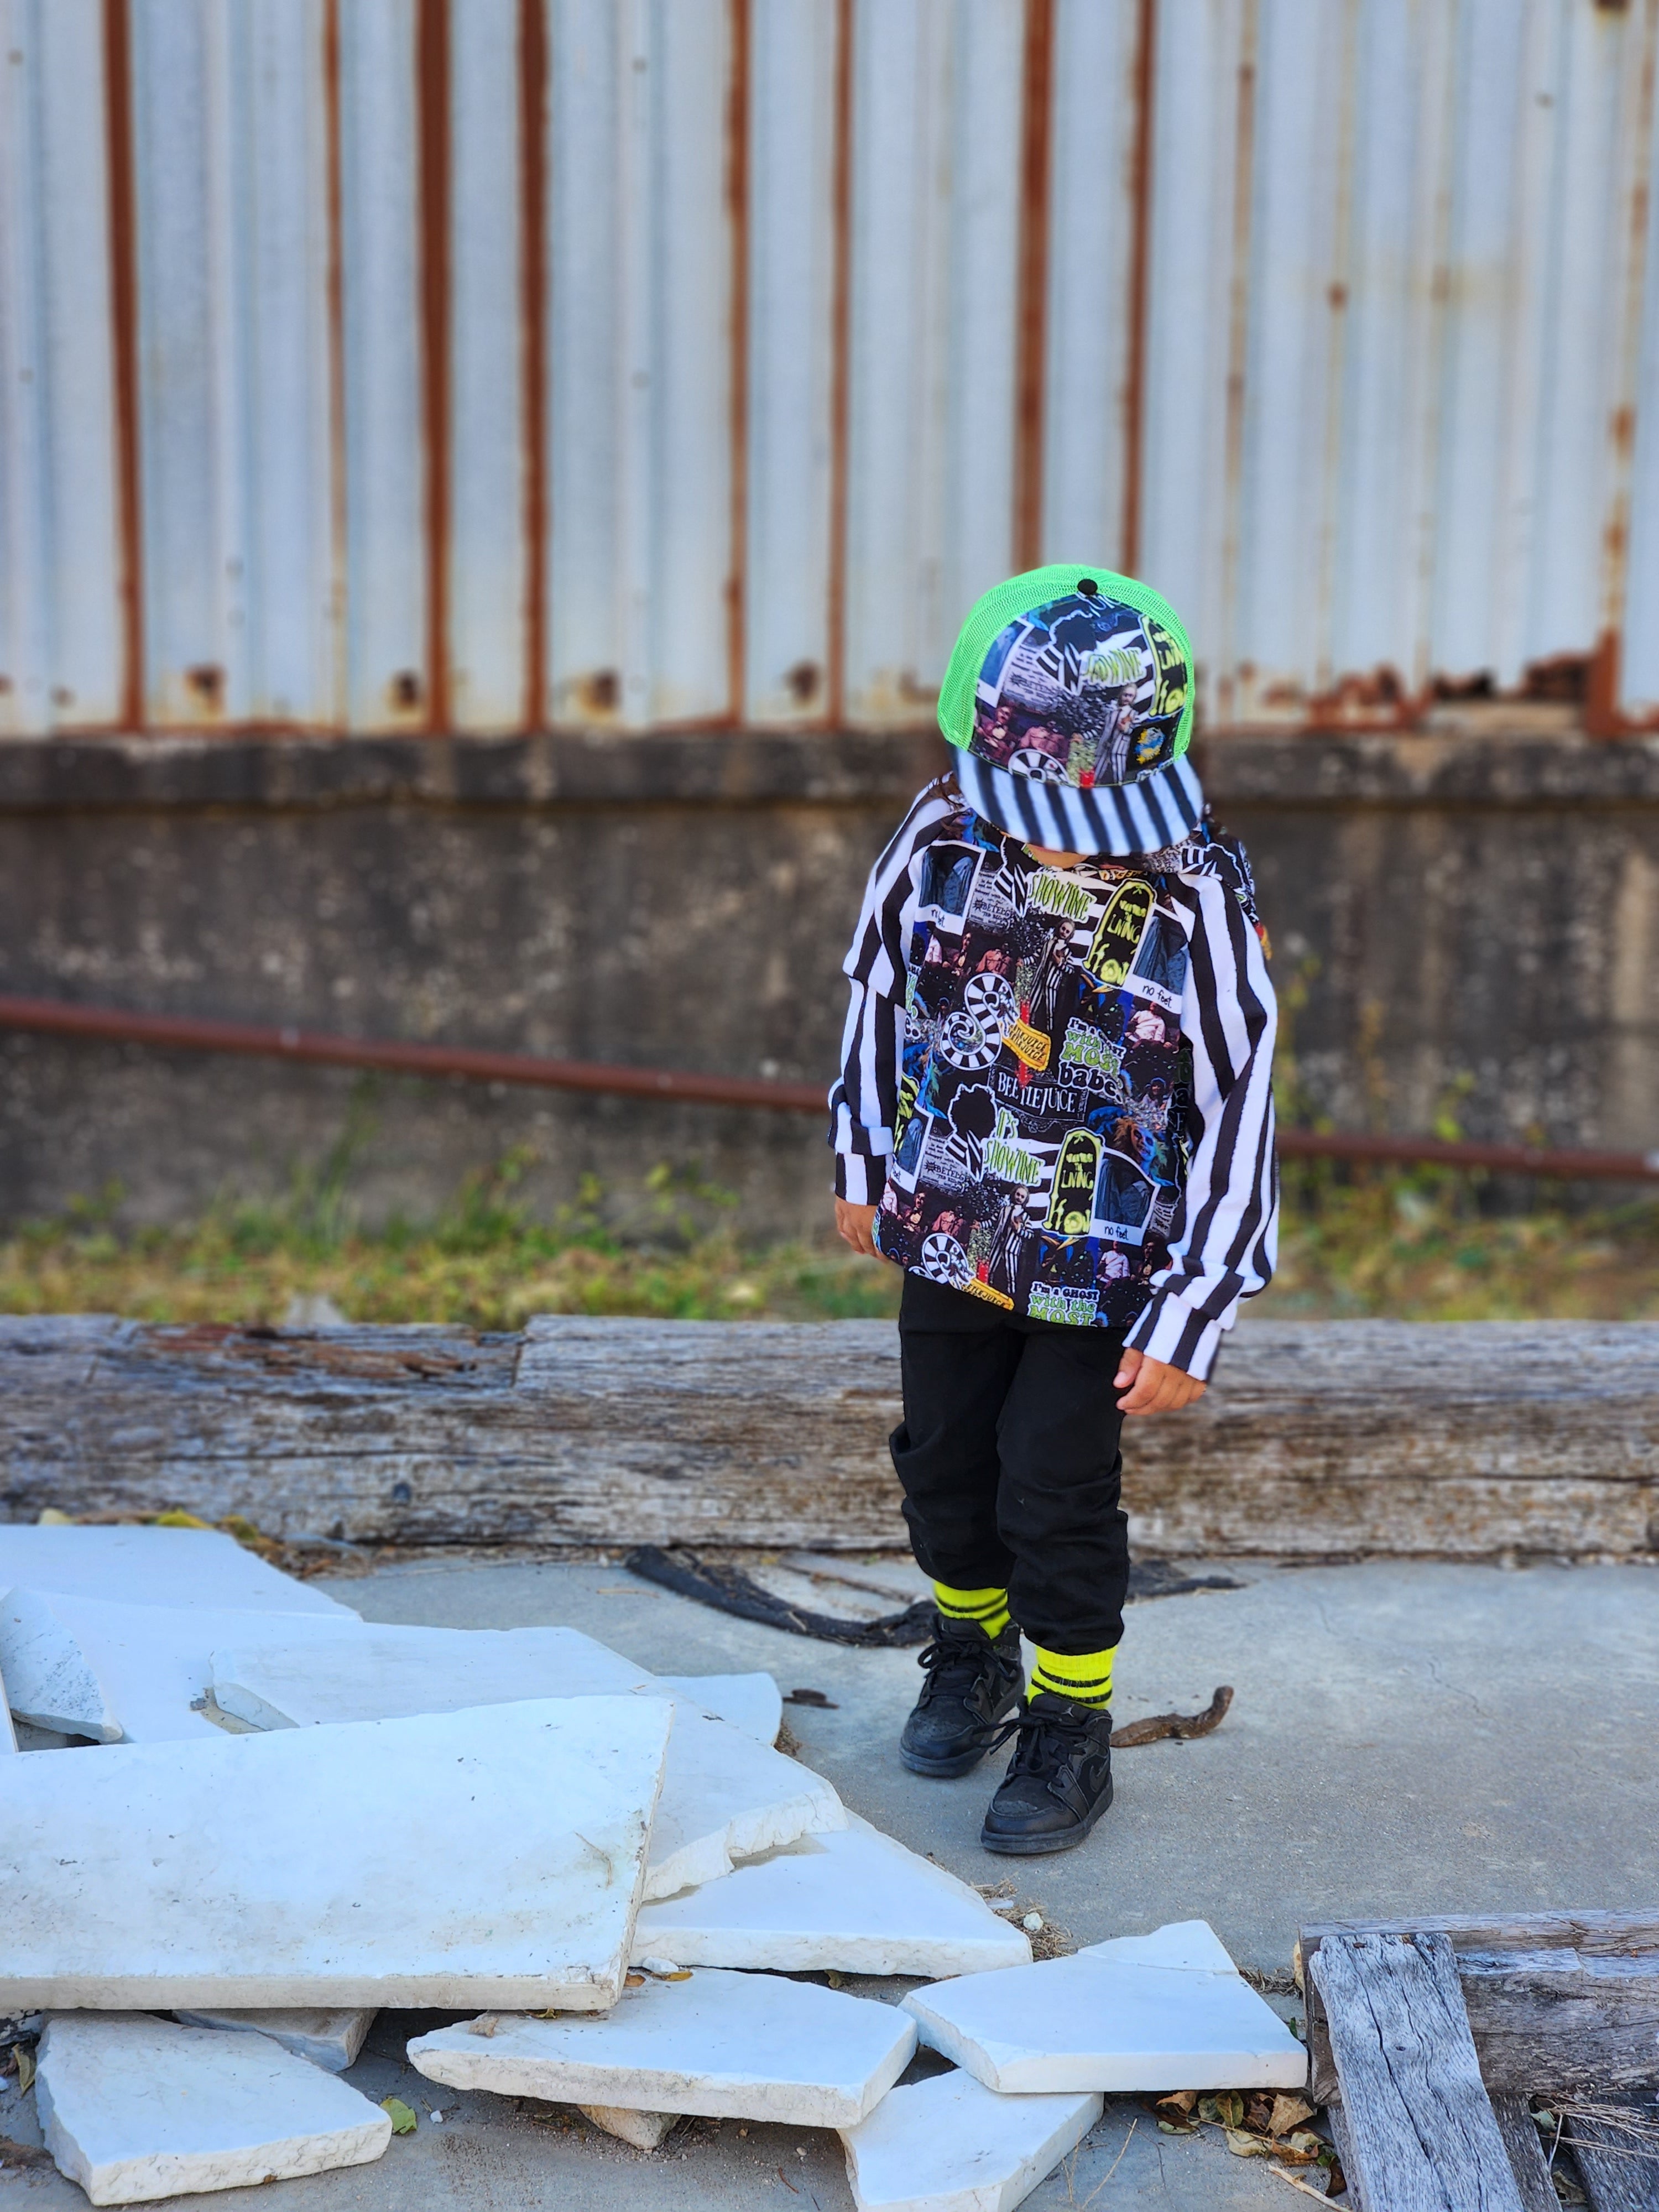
(1122, 1200)
(1118, 935)
(946, 884)
(1071, 1194)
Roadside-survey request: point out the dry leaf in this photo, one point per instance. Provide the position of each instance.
(25, 2065)
(1243, 2145)
(1182, 2099)
(1288, 2112)
(485, 2023)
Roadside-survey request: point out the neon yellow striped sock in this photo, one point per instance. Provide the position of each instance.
(989, 1608)
(1084, 1677)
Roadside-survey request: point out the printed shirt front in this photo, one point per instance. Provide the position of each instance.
(1055, 1081)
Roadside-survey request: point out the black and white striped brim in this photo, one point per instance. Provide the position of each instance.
(1119, 818)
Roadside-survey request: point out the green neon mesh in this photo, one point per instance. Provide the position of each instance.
(1005, 603)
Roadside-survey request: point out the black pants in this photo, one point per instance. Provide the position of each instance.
(1009, 1457)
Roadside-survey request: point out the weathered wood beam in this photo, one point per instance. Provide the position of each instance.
(1620, 2166)
(1528, 2163)
(1316, 1440)
(1419, 2127)
(1559, 2004)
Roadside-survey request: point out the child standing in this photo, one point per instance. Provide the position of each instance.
(1054, 1114)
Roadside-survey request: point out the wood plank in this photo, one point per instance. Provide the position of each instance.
(1558, 2003)
(1620, 2174)
(1315, 1439)
(1528, 2163)
(1420, 2124)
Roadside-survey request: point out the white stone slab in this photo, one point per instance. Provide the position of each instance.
(952, 2145)
(135, 2108)
(129, 1674)
(1165, 2011)
(725, 1797)
(50, 1683)
(329, 2039)
(732, 2046)
(491, 1856)
(154, 1567)
(753, 1703)
(8, 1733)
(854, 1899)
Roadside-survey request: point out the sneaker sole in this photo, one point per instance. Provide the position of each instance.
(942, 1770)
(1038, 1847)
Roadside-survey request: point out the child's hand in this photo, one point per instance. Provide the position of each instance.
(856, 1225)
(1154, 1388)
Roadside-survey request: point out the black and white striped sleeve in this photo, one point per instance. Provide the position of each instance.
(1226, 1232)
(863, 1099)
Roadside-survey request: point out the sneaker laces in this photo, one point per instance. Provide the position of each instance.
(1047, 1740)
(951, 1669)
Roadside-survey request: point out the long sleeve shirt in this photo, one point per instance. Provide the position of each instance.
(1055, 1082)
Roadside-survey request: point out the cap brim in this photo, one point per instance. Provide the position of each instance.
(1119, 818)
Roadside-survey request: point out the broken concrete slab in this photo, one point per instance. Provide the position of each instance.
(51, 1682)
(753, 1703)
(489, 1856)
(725, 1797)
(329, 2039)
(154, 1567)
(644, 2130)
(952, 2145)
(1158, 2012)
(853, 1900)
(131, 1673)
(135, 2108)
(729, 2046)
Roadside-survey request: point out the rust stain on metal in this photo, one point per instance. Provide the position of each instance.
(432, 65)
(840, 297)
(122, 185)
(532, 353)
(1604, 716)
(740, 30)
(1031, 326)
(1238, 308)
(1140, 253)
(334, 282)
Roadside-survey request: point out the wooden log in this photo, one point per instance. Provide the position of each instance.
(1315, 1439)
(1528, 2163)
(1621, 2168)
(1420, 2126)
(1558, 2003)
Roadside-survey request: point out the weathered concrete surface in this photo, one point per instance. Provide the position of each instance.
(1405, 1737)
(1450, 905)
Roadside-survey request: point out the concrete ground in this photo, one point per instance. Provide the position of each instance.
(1407, 1737)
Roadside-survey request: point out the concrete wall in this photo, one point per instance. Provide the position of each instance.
(1453, 911)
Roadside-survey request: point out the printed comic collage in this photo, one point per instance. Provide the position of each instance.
(1039, 1149)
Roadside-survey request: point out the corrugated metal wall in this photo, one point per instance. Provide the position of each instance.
(480, 364)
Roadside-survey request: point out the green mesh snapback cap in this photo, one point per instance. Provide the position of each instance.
(1069, 699)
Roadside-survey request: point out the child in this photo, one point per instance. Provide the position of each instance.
(1054, 1114)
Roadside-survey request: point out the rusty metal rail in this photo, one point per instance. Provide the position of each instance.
(188, 1033)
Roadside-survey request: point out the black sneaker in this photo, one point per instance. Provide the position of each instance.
(973, 1683)
(1059, 1782)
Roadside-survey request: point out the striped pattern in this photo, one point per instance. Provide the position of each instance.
(1118, 818)
(1084, 1677)
(989, 1608)
(1225, 1238)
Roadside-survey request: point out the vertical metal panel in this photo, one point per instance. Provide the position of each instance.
(60, 617)
(753, 338)
(791, 362)
(232, 326)
(486, 594)
(1091, 246)
(642, 280)
(385, 462)
(935, 269)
